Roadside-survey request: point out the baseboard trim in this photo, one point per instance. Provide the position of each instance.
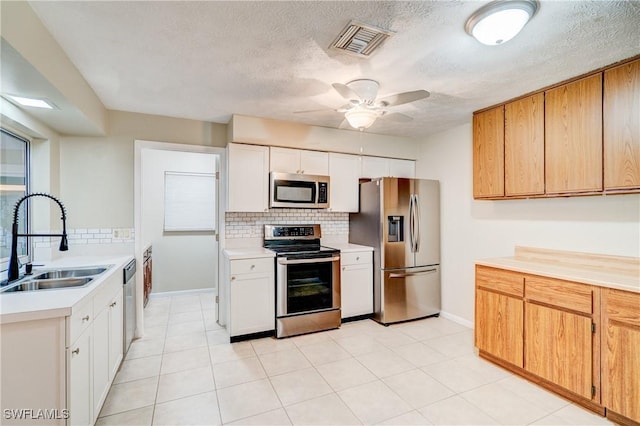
(181, 292)
(457, 319)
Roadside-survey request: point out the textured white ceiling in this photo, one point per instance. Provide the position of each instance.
(208, 60)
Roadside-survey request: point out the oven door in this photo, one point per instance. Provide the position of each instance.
(307, 285)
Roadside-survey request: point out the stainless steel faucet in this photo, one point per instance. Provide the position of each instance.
(14, 268)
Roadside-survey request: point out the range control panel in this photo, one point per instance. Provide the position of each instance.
(291, 231)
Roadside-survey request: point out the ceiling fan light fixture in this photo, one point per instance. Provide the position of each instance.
(360, 118)
(501, 20)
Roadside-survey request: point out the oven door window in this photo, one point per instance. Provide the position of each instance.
(287, 191)
(309, 287)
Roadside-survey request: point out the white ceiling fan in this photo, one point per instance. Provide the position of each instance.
(364, 109)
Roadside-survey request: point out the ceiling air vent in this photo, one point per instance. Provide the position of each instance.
(360, 39)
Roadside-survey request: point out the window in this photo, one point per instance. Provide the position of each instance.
(14, 184)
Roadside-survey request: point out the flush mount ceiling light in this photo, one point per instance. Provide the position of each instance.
(31, 102)
(500, 20)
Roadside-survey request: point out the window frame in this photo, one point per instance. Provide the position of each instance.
(4, 262)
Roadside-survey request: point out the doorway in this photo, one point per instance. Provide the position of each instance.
(185, 251)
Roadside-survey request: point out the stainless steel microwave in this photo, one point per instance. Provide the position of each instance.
(299, 191)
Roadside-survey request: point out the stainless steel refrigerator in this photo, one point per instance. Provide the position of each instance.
(400, 219)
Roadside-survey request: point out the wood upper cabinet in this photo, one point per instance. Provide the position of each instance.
(621, 353)
(524, 146)
(573, 137)
(499, 314)
(622, 127)
(488, 153)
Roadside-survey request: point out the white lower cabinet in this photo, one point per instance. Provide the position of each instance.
(66, 364)
(80, 378)
(251, 296)
(356, 283)
(107, 348)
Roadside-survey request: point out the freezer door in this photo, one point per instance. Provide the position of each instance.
(396, 232)
(426, 223)
(408, 294)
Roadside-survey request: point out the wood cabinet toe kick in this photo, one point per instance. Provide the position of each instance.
(577, 340)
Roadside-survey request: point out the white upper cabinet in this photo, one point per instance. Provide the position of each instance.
(402, 168)
(344, 171)
(299, 161)
(248, 174)
(374, 167)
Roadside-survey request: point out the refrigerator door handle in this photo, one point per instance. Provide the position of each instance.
(412, 274)
(411, 218)
(416, 209)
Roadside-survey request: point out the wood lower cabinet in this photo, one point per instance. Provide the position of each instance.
(573, 137)
(559, 349)
(621, 354)
(499, 326)
(622, 127)
(488, 153)
(545, 329)
(499, 319)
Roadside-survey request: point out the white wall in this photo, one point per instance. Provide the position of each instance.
(482, 229)
(181, 260)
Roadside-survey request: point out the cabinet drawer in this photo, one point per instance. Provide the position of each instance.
(563, 294)
(108, 289)
(623, 306)
(251, 266)
(79, 321)
(356, 258)
(500, 280)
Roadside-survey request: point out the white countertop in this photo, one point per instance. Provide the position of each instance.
(248, 253)
(31, 305)
(601, 278)
(348, 247)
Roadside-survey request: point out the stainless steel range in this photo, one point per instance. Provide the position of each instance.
(307, 280)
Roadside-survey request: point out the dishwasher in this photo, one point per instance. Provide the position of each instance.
(129, 295)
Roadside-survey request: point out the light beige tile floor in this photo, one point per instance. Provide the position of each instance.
(424, 372)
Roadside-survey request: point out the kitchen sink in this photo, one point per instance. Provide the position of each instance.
(69, 273)
(60, 278)
(48, 284)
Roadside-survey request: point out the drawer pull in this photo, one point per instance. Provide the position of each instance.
(76, 351)
(344, 269)
(113, 304)
(358, 258)
(233, 278)
(253, 266)
(86, 318)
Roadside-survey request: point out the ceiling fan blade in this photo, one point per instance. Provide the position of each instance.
(397, 116)
(346, 91)
(314, 110)
(344, 124)
(403, 98)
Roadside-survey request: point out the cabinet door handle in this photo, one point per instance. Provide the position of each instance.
(343, 268)
(358, 258)
(113, 304)
(233, 278)
(76, 351)
(85, 318)
(301, 171)
(253, 266)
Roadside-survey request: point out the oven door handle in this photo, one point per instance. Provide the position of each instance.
(284, 261)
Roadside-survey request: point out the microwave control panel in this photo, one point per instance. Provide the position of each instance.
(323, 192)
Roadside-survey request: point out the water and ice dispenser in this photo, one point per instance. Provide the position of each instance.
(395, 228)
